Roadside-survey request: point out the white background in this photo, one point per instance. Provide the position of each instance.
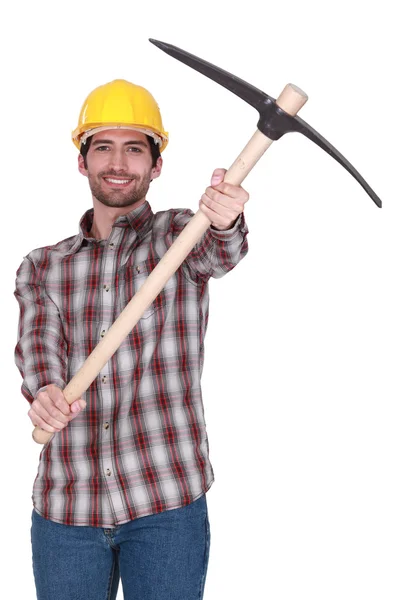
(301, 382)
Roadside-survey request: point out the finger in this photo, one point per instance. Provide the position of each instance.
(47, 402)
(41, 418)
(77, 407)
(58, 398)
(39, 422)
(217, 176)
(49, 413)
(217, 220)
(219, 202)
(55, 413)
(223, 206)
(230, 190)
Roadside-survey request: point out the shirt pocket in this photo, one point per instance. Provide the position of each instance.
(132, 278)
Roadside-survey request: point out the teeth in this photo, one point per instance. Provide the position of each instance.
(118, 181)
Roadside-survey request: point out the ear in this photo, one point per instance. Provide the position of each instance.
(156, 171)
(81, 165)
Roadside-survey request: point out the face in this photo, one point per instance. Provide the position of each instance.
(119, 167)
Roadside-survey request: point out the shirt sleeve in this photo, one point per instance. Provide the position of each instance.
(217, 252)
(40, 353)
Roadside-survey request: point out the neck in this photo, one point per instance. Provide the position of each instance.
(105, 216)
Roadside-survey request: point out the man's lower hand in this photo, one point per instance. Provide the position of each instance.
(51, 411)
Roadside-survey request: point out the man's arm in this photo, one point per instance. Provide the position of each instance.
(224, 244)
(40, 353)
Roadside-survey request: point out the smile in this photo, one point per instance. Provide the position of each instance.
(117, 181)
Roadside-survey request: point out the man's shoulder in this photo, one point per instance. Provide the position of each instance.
(58, 249)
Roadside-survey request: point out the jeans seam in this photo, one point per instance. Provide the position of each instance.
(110, 580)
(205, 559)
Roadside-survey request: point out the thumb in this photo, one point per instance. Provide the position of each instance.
(218, 176)
(77, 406)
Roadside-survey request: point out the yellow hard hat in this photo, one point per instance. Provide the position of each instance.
(120, 105)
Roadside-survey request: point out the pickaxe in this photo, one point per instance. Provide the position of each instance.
(277, 117)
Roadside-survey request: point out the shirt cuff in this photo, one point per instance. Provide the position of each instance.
(239, 226)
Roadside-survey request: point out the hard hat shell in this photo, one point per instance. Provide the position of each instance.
(120, 104)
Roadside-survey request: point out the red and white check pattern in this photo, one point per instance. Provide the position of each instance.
(140, 446)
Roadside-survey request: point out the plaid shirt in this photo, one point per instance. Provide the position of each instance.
(140, 447)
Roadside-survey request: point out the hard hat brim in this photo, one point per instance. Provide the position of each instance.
(80, 135)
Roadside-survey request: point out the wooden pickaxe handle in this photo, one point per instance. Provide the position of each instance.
(290, 100)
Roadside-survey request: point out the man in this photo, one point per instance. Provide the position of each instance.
(120, 490)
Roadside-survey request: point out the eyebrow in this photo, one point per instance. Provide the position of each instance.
(129, 143)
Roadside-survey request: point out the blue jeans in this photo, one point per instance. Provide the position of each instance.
(159, 557)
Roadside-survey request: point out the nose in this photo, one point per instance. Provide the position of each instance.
(118, 159)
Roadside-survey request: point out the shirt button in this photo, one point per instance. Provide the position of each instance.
(103, 333)
(111, 244)
(106, 425)
(108, 472)
(106, 287)
(138, 269)
(104, 379)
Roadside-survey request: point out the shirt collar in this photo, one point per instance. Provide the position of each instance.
(139, 219)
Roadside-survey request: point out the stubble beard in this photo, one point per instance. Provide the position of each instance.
(119, 198)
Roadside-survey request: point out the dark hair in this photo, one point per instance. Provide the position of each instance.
(154, 149)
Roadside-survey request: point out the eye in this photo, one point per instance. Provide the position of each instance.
(134, 149)
(102, 148)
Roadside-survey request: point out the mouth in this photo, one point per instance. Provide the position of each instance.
(117, 182)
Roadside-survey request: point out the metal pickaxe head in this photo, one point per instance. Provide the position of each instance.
(274, 122)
